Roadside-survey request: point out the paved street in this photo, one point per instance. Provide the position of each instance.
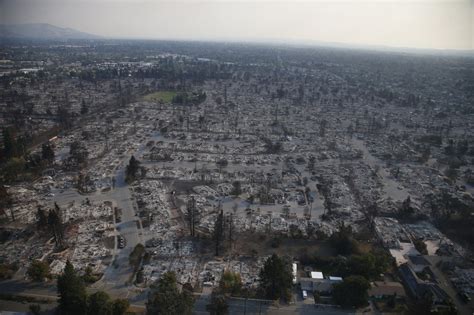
(118, 274)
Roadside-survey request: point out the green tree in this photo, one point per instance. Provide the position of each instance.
(64, 117)
(84, 107)
(38, 271)
(363, 265)
(276, 278)
(168, 300)
(420, 246)
(406, 210)
(343, 241)
(47, 153)
(136, 255)
(369, 265)
(422, 305)
(221, 164)
(317, 297)
(452, 173)
(193, 215)
(72, 292)
(35, 309)
(14, 167)
(352, 292)
(56, 225)
(131, 171)
(99, 303)
(230, 282)
(425, 154)
(7, 270)
(9, 144)
(322, 128)
(88, 276)
(120, 306)
(218, 305)
(237, 188)
(41, 218)
(280, 92)
(219, 230)
(5, 199)
(392, 302)
(78, 153)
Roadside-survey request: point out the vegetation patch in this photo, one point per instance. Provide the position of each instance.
(21, 299)
(7, 271)
(136, 256)
(160, 96)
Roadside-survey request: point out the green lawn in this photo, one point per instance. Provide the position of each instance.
(164, 96)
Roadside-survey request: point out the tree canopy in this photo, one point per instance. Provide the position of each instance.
(73, 299)
(136, 255)
(420, 246)
(352, 292)
(120, 306)
(5, 199)
(343, 241)
(131, 172)
(11, 147)
(230, 282)
(72, 292)
(168, 299)
(78, 153)
(47, 153)
(218, 305)
(56, 225)
(99, 304)
(218, 230)
(38, 270)
(276, 278)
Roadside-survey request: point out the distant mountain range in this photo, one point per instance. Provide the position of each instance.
(41, 31)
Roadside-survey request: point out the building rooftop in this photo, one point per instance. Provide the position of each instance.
(387, 288)
(317, 275)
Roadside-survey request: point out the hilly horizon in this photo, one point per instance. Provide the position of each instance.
(46, 31)
(42, 31)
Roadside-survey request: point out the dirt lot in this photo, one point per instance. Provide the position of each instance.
(262, 244)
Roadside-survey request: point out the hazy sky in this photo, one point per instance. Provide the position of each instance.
(442, 24)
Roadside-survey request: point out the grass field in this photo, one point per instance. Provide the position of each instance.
(163, 96)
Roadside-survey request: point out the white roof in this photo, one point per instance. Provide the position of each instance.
(335, 278)
(317, 275)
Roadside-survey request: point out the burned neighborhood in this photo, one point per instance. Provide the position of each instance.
(174, 177)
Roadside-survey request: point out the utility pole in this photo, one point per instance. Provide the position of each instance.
(192, 215)
(246, 298)
(106, 134)
(230, 229)
(276, 113)
(237, 119)
(225, 94)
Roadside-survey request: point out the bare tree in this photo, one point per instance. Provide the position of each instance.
(219, 229)
(193, 215)
(55, 223)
